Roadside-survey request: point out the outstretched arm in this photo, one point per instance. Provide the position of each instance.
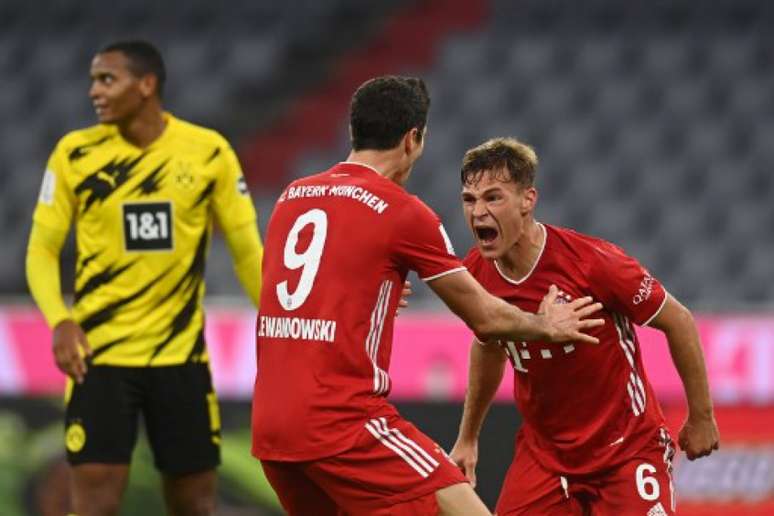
(492, 318)
(699, 435)
(244, 244)
(487, 364)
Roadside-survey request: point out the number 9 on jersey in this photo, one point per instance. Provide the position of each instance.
(309, 260)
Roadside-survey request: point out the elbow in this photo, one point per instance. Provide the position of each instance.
(491, 318)
(682, 323)
(32, 261)
(685, 317)
(485, 330)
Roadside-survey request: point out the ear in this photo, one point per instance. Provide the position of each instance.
(411, 141)
(529, 200)
(148, 85)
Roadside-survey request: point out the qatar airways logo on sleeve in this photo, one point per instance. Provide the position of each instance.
(645, 290)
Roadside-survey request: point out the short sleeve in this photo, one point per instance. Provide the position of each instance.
(231, 199)
(422, 244)
(624, 286)
(56, 201)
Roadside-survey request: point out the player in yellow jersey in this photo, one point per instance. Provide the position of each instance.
(142, 189)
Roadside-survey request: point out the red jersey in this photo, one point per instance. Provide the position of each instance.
(338, 248)
(585, 407)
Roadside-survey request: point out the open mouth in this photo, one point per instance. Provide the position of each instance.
(486, 234)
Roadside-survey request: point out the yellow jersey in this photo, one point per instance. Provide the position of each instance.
(143, 220)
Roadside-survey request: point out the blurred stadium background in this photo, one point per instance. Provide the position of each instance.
(654, 122)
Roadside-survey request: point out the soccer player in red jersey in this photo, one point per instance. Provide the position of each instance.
(338, 247)
(593, 439)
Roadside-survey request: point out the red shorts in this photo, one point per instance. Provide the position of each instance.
(641, 486)
(393, 469)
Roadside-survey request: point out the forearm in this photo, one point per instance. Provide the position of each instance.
(680, 330)
(487, 364)
(246, 250)
(687, 355)
(42, 269)
(489, 317)
(507, 322)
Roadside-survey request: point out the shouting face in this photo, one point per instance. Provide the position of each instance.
(497, 211)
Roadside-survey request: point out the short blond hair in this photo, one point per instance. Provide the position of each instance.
(518, 159)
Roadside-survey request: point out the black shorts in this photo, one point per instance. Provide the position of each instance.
(177, 403)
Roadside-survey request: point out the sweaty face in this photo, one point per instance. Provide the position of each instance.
(496, 212)
(115, 92)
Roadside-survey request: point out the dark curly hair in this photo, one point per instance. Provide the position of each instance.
(385, 108)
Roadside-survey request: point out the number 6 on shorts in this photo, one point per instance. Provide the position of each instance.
(647, 486)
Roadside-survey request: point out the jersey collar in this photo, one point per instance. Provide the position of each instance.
(357, 163)
(534, 265)
(168, 130)
(170, 120)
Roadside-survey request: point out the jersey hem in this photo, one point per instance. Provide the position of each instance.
(325, 450)
(440, 275)
(429, 488)
(635, 442)
(145, 364)
(318, 453)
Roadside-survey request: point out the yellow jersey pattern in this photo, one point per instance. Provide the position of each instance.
(143, 219)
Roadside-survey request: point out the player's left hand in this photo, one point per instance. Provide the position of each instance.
(569, 321)
(405, 293)
(699, 436)
(465, 455)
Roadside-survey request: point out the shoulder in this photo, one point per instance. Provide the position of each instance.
(289, 192)
(473, 258)
(575, 245)
(415, 205)
(415, 218)
(309, 180)
(85, 136)
(591, 255)
(483, 270)
(473, 261)
(198, 134)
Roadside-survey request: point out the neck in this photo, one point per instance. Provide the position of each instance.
(145, 127)
(388, 163)
(520, 259)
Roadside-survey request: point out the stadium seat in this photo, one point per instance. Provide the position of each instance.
(654, 123)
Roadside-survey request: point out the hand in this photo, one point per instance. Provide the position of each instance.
(405, 293)
(699, 436)
(465, 455)
(70, 348)
(566, 320)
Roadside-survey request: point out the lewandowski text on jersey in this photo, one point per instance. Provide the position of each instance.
(297, 328)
